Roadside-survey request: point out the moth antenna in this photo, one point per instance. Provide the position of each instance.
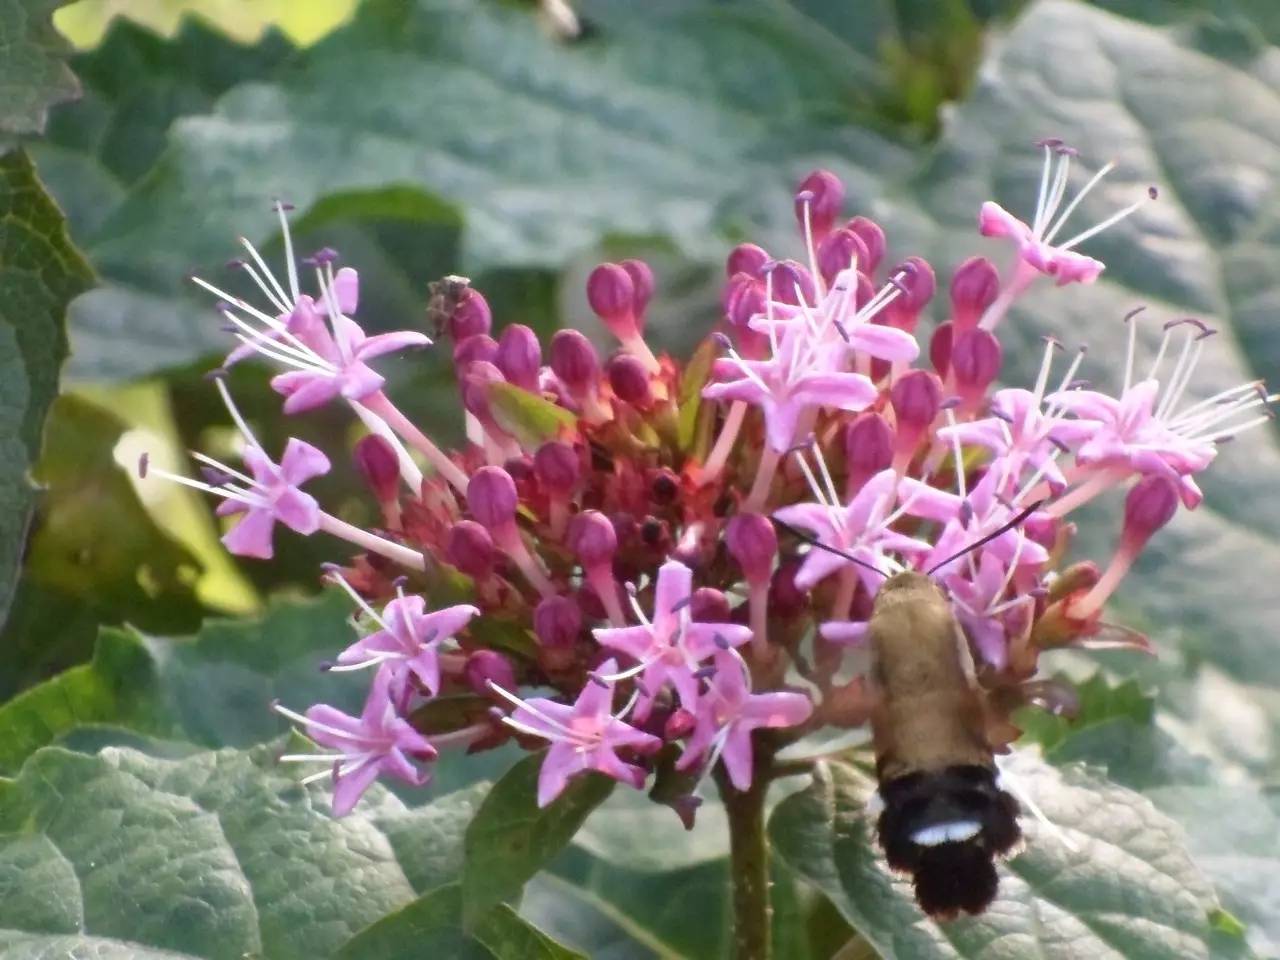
(1009, 782)
(814, 542)
(1012, 524)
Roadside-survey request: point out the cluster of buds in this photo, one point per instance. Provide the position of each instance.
(678, 554)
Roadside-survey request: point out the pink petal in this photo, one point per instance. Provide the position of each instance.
(813, 517)
(782, 709)
(847, 391)
(390, 342)
(818, 565)
(995, 221)
(636, 642)
(1071, 267)
(349, 788)
(229, 508)
(930, 503)
(607, 762)
(360, 380)
(346, 290)
(447, 622)
(673, 590)
(251, 536)
(851, 633)
(748, 391)
(1087, 403)
(780, 421)
(561, 762)
(305, 391)
(982, 433)
(301, 462)
(297, 510)
(700, 639)
(884, 343)
(738, 758)
(260, 465)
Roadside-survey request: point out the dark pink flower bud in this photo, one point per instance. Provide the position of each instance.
(470, 549)
(491, 498)
(940, 347)
(868, 448)
(642, 288)
(823, 194)
(976, 357)
(747, 258)
(574, 360)
(974, 287)
(839, 251)
(743, 299)
(478, 377)
(611, 294)
(914, 277)
(630, 380)
(473, 349)
(1149, 506)
(916, 399)
(376, 461)
(486, 666)
(519, 356)
(520, 470)
(872, 238)
(593, 539)
(786, 600)
(557, 621)
(557, 467)
(753, 542)
(709, 605)
(471, 317)
(792, 283)
(679, 725)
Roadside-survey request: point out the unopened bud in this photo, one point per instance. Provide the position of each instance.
(753, 542)
(976, 357)
(1079, 576)
(974, 287)
(487, 666)
(709, 605)
(481, 347)
(747, 258)
(611, 294)
(872, 237)
(557, 467)
(916, 399)
(786, 600)
(743, 299)
(1149, 506)
(574, 360)
(914, 277)
(642, 286)
(630, 380)
(376, 461)
(840, 251)
(519, 356)
(557, 621)
(491, 498)
(679, 724)
(822, 193)
(868, 448)
(476, 381)
(940, 347)
(592, 539)
(471, 317)
(792, 283)
(470, 549)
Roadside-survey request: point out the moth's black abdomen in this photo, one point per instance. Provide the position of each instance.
(945, 828)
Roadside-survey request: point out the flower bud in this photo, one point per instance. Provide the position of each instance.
(822, 193)
(746, 258)
(916, 399)
(840, 251)
(642, 288)
(630, 380)
(557, 621)
(679, 724)
(792, 283)
(611, 294)
(1149, 506)
(974, 287)
(470, 549)
(481, 347)
(753, 542)
(557, 467)
(940, 347)
(914, 277)
(592, 539)
(872, 238)
(786, 600)
(743, 299)
(486, 666)
(471, 317)
(976, 357)
(868, 448)
(491, 498)
(709, 605)
(476, 381)
(1079, 576)
(376, 462)
(574, 360)
(519, 356)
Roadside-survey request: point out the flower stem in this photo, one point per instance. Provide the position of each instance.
(764, 480)
(749, 864)
(725, 442)
(397, 421)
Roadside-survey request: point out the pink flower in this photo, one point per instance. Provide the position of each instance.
(584, 736)
(728, 713)
(670, 648)
(979, 605)
(272, 495)
(377, 742)
(408, 640)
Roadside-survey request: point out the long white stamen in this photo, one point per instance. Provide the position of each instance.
(324, 282)
(234, 412)
(515, 701)
(1106, 224)
(1054, 410)
(314, 725)
(1251, 387)
(808, 245)
(263, 318)
(291, 267)
(1056, 192)
(1042, 379)
(311, 757)
(360, 601)
(258, 339)
(768, 312)
(223, 492)
(1010, 604)
(219, 465)
(365, 664)
(1071, 207)
(747, 371)
(267, 348)
(1179, 371)
(1129, 357)
(1217, 415)
(409, 471)
(826, 473)
(282, 298)
(1233, 430)
(629, 705)
(268, 291)
(955, 447)
(1175, 394)
(315, 777)
(1159, 359)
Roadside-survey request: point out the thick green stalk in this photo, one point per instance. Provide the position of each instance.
(749, 865)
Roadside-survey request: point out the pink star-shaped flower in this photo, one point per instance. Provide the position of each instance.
(409, 640)
(273, 496)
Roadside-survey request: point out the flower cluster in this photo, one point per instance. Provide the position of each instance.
(676, 555)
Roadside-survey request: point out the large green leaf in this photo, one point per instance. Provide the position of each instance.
(33, 71)
(1128, 890)
(39, 274)
(216, 855)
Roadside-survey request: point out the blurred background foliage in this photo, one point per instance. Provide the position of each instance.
(441, 136)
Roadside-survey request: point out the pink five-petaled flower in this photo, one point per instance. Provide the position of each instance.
(1037, 251)
(376, 742)
(584, 736)
(728, 713)
(860, 528)
(979, 605)
(670, 647)
(409, 640)
(272, 495)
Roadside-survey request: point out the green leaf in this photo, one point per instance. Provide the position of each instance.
(511, 838)
(1129, 890)
(691, 434)
(435, 919)
(39, 274)
(1100, 703)
(33, 72)
(531, 419)
(217, 855)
